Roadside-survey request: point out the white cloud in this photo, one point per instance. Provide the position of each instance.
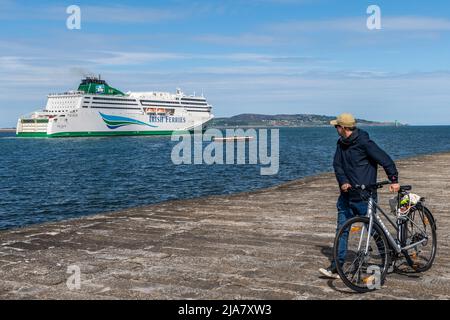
(129, 14)
(237, 40)
(265, 88)
(332, 25)
(358, 24)
(132, 58)
(91, 13)
(136, 58)
(415, 23)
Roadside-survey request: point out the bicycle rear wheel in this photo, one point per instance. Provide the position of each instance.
(361, 271)
(421, 226)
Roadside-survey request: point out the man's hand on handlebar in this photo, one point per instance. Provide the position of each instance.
(345, 187)
(395, 187)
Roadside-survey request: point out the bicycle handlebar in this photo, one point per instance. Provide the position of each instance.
(372, 187)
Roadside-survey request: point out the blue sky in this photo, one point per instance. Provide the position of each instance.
(247, 56)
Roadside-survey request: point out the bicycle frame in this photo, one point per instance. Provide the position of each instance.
(374, 217)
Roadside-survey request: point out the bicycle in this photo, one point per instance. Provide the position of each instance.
(371, 249)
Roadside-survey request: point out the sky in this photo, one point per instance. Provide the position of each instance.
(246, 56)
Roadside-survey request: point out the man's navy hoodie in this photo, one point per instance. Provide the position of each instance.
(356, 161)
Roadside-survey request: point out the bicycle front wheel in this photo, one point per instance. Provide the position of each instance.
(362, 260)
(421, 227)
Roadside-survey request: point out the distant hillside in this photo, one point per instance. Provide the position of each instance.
(285, 120)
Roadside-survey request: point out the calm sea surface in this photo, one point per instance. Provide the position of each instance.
(53, 179)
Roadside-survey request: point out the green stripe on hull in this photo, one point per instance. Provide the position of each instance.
(97, 134)
(32, 134)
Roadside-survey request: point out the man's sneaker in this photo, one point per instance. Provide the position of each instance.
(329, 273)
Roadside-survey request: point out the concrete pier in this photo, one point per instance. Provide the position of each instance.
(266, 244)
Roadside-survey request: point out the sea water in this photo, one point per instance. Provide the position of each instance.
(53, 179)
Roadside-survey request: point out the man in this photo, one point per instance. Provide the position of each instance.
(355, 163)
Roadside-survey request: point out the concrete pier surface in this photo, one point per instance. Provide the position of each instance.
(266, 244)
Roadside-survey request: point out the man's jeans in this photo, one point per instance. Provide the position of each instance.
(346, 210)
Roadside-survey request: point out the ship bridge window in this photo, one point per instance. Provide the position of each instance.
(159, 111)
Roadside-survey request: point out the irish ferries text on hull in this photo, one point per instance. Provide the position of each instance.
(96, 109)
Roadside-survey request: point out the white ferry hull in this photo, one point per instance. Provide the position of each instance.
(83, 113)
(103, 123)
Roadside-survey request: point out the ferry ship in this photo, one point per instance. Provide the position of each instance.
(96, 109)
